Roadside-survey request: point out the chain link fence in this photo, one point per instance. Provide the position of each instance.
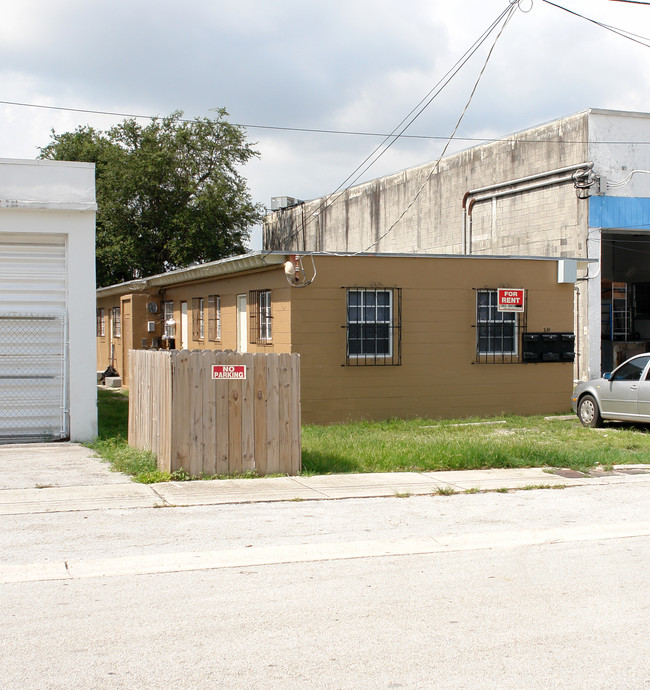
(33, 390)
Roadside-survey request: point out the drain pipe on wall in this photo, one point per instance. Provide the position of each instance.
(530, 183)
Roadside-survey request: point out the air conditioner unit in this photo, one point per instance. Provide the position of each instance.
(279, 202)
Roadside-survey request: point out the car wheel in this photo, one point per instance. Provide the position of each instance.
(588, 412)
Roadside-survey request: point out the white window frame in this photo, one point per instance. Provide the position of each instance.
(495, 318)
(266, 333)
(363, 321)
(198, 328)
(169, 329)
(261, 317)
(214, 318)
(116, 322)
(101, 322)
(217, 308)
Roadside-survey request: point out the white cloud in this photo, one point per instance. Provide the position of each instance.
(359, 65)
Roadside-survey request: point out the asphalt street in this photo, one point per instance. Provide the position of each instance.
(525, 589)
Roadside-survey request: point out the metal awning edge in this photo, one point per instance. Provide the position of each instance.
(213, 269)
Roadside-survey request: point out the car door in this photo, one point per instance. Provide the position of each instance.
(619, 395)
(643, 396)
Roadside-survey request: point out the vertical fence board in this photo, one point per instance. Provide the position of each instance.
(272, 414)
(180, 415)
(209, 415)
(295, 433)
(195, 410)
(284, 410)
(221, 425)
(259, 411)
(164, 431)
(146, 386)
(234, 421)
(248, 413)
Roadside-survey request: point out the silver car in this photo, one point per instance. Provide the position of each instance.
(623, 394)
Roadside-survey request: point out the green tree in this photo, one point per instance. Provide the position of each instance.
(169, 194)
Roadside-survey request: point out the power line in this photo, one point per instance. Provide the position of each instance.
(508, 16)
(509, 12)
(415, 112)
(405, 123)
(641, 40)
(343, 132)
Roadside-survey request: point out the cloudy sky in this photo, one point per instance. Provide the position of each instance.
(345, 65)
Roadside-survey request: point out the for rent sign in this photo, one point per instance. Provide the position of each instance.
(510, 299)
(228, 371)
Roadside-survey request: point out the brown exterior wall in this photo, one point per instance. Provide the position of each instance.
(227, 288)
(109, 347)
(438, 375)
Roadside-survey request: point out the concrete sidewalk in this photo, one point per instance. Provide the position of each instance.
(30, 483)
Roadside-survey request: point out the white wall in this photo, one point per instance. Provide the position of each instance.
(616, 160)
(43, 197)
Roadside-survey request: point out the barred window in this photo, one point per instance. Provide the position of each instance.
(168, 320)
(260, 310)
(214, 317)
(198, 330)
(497, 332)
(373, 326)
(117, 322)
(101, 322)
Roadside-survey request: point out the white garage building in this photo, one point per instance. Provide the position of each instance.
(47, 301)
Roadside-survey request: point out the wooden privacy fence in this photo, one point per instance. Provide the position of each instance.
(206, 426)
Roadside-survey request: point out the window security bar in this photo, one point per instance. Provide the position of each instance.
(498, 333)
(373, 326)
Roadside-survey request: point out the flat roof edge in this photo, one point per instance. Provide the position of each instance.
(266, 259)
(419, 255)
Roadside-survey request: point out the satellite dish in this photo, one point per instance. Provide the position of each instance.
(152, 308)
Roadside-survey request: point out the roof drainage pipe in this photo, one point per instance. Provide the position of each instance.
(522, 184)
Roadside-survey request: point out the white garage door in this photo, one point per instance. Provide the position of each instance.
(33, 342)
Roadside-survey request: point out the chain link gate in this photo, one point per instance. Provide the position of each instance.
(33, 381)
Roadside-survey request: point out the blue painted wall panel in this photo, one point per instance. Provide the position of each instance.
(624, 213)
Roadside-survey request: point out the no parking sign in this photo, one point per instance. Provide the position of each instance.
(228, 371)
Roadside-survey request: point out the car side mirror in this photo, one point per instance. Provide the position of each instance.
(607, 375)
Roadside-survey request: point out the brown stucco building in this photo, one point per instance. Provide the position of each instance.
(380, 336)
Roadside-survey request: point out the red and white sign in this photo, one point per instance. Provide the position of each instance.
(228, 371)
(510, 299)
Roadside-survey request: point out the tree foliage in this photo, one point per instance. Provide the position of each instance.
(169, 194)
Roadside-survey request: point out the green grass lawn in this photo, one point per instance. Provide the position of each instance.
(421, 444)
(412, 445)
(111, 445)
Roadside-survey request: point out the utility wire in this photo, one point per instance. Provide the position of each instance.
(421, 106)
(396, 134)
(509, 11)
(641, 40)
(508, 16)
(344, 132)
